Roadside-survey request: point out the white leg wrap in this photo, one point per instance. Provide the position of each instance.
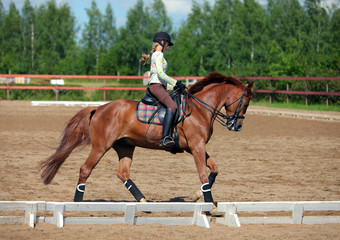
(78, 189)
(206, 190)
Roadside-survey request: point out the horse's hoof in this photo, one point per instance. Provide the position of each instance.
(142, 200)
(197, 195)
(215, 213)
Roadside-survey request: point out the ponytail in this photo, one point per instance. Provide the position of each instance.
(146, 57)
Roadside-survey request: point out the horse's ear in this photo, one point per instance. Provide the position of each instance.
(250, 85)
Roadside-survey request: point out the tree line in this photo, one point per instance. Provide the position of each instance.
(234, 37)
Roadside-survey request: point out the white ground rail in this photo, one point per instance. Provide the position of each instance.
(255, 212)
(235, 213)
(59, 209)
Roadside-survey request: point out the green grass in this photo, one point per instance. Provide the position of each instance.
(299, 106)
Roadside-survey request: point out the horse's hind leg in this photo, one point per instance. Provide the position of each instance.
(125, 154)
(85, 171)
(212, 176)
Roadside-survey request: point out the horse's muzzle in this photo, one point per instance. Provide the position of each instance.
(234, 125)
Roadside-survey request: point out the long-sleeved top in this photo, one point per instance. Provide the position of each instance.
(157, 71)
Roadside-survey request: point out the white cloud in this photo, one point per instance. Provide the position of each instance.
(178, 6)
(182, 7)
(329, 3)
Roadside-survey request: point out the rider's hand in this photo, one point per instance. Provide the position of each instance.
(180, 86)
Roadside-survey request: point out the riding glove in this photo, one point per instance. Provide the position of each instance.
(180, 86)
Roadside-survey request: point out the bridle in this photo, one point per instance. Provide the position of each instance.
(231, 119)
(219, 116)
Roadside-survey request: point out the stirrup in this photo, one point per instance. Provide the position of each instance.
(167, 141)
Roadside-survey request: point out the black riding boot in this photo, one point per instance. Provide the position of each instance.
(167, 140)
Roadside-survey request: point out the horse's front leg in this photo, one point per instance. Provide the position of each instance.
(212, 176)
(200, 157)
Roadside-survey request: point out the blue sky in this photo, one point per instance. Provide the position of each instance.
(177, 10)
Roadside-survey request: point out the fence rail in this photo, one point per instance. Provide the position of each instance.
(188, 80)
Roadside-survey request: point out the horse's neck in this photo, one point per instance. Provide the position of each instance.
(215, 95)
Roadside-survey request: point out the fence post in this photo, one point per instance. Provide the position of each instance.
(297, 214)
(200, 219)
(104, 90)
(130, 210)
(287, 88)
(7, 91)
(31, 214)
(327, 93)
(59, 214)
(306, 94)
(230, 218)
(270, 95)
(56, 93)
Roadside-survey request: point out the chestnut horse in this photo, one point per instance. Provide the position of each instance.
(115, 125)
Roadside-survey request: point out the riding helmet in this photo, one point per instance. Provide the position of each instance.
(162, 36)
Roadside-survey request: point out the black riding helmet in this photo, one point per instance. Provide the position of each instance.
(162, 36)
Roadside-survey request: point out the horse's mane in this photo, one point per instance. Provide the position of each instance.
(214, 78)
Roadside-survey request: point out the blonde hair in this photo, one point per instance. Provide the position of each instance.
(146, 57)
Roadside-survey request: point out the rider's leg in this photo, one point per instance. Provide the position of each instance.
(167, 140)
(163, 96)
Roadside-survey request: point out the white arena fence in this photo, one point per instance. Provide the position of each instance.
(54, 213)
(234, 213)
(311, 212)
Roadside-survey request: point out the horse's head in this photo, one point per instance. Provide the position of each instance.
(236, 107)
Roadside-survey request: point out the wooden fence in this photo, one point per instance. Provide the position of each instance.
(187, 80)
(288, 92)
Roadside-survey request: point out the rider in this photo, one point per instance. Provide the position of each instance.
(160, 83)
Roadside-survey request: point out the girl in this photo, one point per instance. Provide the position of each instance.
(160, 82)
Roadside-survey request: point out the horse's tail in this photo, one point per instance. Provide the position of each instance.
(75, 134)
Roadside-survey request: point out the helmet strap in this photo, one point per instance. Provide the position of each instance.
(162, 45)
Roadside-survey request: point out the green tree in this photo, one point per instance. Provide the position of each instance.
(2, 37)
(316, 38)
(92, 39)
(136, 37)
(55, 34)
(250, 35)
(286, 18)
(316, 23)
(109, 28)
(190, 52)
(334, 29)
(158, 19)
(108, 63)
(28, 23)
(12, 44)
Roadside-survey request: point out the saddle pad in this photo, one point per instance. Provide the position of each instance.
(145, 112)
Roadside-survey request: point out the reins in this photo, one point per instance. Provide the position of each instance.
(219, 116)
